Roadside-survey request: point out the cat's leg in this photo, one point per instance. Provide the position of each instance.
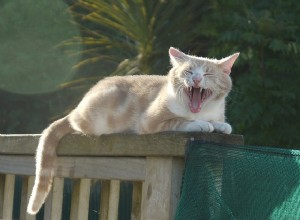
(222, 127)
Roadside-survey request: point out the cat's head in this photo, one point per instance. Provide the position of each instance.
(198, 80)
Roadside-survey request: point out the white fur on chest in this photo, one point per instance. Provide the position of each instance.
(211, 111)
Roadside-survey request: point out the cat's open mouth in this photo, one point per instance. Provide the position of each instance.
(196, 97)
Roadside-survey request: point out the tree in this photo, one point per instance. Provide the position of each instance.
(136, 34)
(133, 37)
(263, 105)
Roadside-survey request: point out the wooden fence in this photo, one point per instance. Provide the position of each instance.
(153, 163)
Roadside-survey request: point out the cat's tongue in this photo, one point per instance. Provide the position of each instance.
(195, 101)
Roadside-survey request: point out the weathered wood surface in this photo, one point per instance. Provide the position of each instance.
(30, 184)
(155, 161)
(122, 168)
(2, 181)
(161, 188)
(9, 189)
(114, 196)
(136, 201)
(104, 199)
(54, 202)
(160, 144)
(24, 198)
(80, 200)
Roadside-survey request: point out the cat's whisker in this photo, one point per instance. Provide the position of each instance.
(180, 92)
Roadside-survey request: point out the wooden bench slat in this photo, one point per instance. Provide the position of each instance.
(2, 182)
(54, 202)
(123, 168)
(160, 144)
(114, 197)
(24, 198)
(29, 189)
(160, 190)
(136, 201)
(104, 199)
(9, 188)
(80, 199)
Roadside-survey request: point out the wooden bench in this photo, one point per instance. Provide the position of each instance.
(154, 163)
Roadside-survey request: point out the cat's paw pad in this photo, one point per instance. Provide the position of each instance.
(222, 127)
(202, 126)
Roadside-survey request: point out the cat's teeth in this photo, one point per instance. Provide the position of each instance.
(189, 92)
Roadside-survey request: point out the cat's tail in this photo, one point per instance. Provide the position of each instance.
(45, 162)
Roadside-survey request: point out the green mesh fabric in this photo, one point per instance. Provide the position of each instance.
(240, 182)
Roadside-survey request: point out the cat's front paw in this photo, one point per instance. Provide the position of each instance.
(202, 126)
(222, 127)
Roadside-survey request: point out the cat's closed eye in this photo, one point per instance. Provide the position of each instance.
(208, 74)
(207, 71)
(188, 72)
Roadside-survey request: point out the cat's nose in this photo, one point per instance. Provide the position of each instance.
(197, 82)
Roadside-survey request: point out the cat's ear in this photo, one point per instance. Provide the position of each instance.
(176, 56)
(227, 62)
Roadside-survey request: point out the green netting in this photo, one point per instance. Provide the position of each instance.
(240, 182)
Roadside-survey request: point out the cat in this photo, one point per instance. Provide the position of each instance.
(190, 98)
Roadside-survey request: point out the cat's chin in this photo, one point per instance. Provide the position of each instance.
(194, 110)
(196, 97)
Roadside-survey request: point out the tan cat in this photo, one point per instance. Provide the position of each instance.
(190, 98)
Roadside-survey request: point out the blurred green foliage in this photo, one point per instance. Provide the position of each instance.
(264, 103)
(133, 37)
(135, 34)
(30, 60)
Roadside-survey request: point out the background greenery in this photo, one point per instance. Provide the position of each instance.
(66, 46)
